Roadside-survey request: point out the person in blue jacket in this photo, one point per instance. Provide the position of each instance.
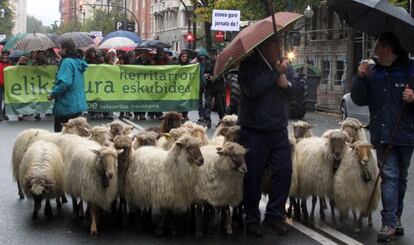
(263, 117)
(387, 88)
(69, 91)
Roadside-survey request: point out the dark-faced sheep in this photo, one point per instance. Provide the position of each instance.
(171, 120)
(354, 128)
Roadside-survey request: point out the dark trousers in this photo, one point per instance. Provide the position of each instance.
(60, 120)
(394, 181)
(219, 105)
(266, 147)
(201, 112)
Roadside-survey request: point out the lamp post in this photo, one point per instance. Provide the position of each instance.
(2, 13)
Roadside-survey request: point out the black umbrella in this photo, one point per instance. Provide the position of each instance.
(375, 17)
(154, 44)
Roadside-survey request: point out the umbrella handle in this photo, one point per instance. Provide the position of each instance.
(270, 6)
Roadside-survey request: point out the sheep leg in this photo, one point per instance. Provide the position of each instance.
(58, 203)
(81, 211)
(147, 217)
(124, 212)
(226, 218)
(160, 228)
(75, 208)
(290, 208)
(312, 215)
(333, 219)
(305, 212)
(48, 210)
(64, 199)
(198, 221)
(37, 206)
(322, 207)
(94, 229)
(238, 217)
(296, 208)
(21, 195)
(370, 219)
(357, 230)
(171, 223)
(360, 220)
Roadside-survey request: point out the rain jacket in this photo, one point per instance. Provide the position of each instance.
(263, 104)
(2, 66)
(382, 92)
(69, 89)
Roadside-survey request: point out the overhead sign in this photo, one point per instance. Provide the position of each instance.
(108, 88)
(130, 26)
(120, 25)
(226, 20)
(96, 33)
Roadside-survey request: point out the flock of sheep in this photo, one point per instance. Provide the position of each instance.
(176, 168)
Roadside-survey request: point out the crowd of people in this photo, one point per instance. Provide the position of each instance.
(211, 91)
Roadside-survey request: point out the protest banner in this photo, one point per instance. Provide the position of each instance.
(225, 20)
(108, 88)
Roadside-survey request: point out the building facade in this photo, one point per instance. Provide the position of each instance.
(329, 44)
(170, 21)
(20, 15)
(142, 11)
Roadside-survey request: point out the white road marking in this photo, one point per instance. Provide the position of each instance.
(338, 235)
(136, 126)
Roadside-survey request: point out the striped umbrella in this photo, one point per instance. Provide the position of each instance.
(118, 43)
(34, 42)
(54, 37)
(9, 45)
(81, 39)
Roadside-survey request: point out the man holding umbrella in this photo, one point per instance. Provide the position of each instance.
(386, 88)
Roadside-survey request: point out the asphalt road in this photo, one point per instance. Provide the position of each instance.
(16, 226)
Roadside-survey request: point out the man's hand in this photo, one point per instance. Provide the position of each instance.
(408, 95)
(282, 66)
(283, 82)
(364, 69)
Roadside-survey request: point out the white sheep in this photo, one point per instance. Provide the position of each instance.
(227, 121)
(167, 140)
(101, 135)
(197, 131)
(354, 182)
(144, 138)
(317, 161)
(78, 126)
(164, 179)
(354, 128)
(41, 175)
(220, 181)
(90, 174)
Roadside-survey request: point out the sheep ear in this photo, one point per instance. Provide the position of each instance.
(97, 152)
(180, 144)
(167, 135)
(119, 151)
(67, 125)
(219, 149)
(87, 130)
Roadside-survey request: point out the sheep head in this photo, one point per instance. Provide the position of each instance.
(229, 121)
(106, 164)
(301, 129)
(235, 153)
(78, 126)
(337, 142)
(123, 142)
(171, 120)
(363, 151)
(145, 138)
(100, 134)
(116, 129)
(351, 126)
(191, 148)
(233, 134)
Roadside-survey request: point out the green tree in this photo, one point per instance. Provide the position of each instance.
(103, 21)
(35, 25)
(400, 3)
(6, 23)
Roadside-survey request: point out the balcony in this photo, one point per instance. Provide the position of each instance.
(157, 8)
(172, 5)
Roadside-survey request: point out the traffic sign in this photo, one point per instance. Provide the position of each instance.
(120, 25)
(219, 36)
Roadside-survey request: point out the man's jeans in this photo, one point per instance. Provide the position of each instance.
(393, 181)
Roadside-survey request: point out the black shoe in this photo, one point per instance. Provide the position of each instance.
(253, 230)
(20, 118)
(200, 120)
(6, 118)
(276, 226)
(208, 123)
(37, 117)
(399, 229)
(386, 234)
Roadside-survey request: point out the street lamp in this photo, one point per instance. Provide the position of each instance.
(308, 13)
(2, 13)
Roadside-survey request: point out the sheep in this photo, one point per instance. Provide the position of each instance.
(101, 135)
(41, 175)
(123, 142)
(354, 128)
(164, 179)
(197, 131)
(171, 120)
(227, 121)
(90, 173)
(145, 138)
(317, 161)
(167, 140)
(301, 129)
(226, 134)
(220, 181)
(354, 181)
(116, 128)
(78, 126)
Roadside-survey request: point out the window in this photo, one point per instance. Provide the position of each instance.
(339, 73)
(326, 68)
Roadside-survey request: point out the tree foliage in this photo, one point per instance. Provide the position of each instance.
(6, 23)
(103, 21)
(400, 3)
(35, 25)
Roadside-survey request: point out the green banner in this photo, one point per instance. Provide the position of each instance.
(108, 88)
